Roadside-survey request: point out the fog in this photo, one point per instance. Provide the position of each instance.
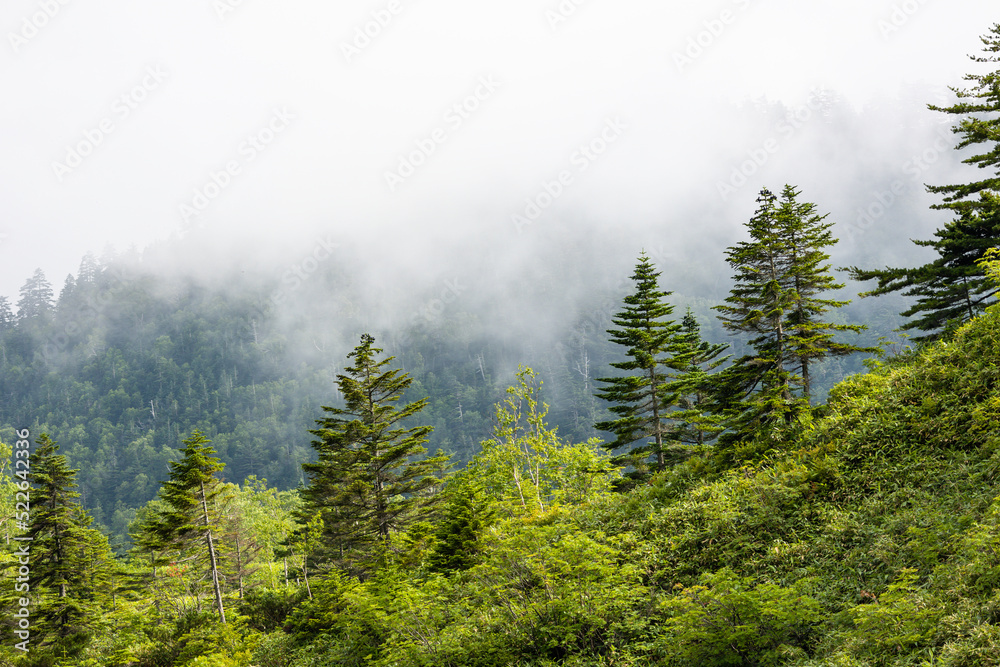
(436, 145)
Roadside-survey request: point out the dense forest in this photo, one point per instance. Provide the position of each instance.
(262, 472)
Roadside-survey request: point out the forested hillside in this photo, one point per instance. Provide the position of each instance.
(124, 362)
(308, 467)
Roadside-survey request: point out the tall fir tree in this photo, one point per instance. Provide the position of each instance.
(187, 522)
(952, 288)
(371, 478)
(36, 298)
(643, 399)
(809, 337)
(68, 560)
(781, 275)
(697, 424)
(759, 389)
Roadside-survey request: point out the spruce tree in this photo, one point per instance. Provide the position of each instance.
(65, 580)
(952, 288)
(371, 478)
(644, 398)
(809, 337)
(187, 522)
(759, 389)
(781, 275)
(36, 298)
(697, 425)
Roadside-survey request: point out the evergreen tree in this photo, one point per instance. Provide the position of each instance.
(810, 338)
(643, 400)
(369, 480)
(66, 573)
(781, 274)
(36, 297)
(7, 318)
(188, 519)
(89, 270)
(952, 288)
(697, 425)
(759, 389)
(465, 517)
(983, 97)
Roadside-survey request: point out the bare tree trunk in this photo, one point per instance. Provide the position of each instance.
(305, 575)
(211, 557)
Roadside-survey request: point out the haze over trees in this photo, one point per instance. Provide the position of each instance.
(737, 510)
(952, 289)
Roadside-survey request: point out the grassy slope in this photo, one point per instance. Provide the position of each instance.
(873, 539)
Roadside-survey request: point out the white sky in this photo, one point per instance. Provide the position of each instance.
(229, 69)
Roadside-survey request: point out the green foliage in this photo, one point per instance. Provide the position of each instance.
(899, 619)
(370, 479)
(266, 609)
(954, 288)
(781, 275)
(526, 467)
(68, 561)
(643, 399)
(727, 620)
(466, 514)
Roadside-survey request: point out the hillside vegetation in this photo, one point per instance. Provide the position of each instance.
(872, 539)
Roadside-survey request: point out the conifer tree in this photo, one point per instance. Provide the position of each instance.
(982, 98)
(64, 578)
(369, 480)
(809, 337)
(643, 399)
(781, 274)
(36, 297)
(187, 522)
(7, 318)
(466, 515)
(952, 288)
(697, 425)
(759, 388)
